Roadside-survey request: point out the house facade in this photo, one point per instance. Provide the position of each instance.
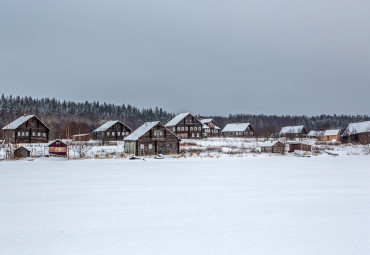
(58, 148)
(315, 134)
(358, 132)
(113, 130)
(272, 147)
(238, 130)
(299, 146)
(293, 132)
(210, 129)
(331, 135)
(26, 129)
(186, 126)
(150, 139)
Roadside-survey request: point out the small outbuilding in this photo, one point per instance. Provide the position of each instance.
(330, 135)
(81, 137)
(293, 132)
(296, 146)
(357, 132)
(238, 130)
(58, 148)
(22, 152)
(272, 147)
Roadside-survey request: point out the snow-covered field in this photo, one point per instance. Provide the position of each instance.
(249, 205)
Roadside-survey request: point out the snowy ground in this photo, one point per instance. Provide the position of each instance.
(252, 205)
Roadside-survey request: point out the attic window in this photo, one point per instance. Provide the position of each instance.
(57, 143)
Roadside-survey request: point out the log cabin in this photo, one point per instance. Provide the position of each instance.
(238, 130)
(152, 138)
(58, 148)
(272, 147)
(330, 135)
(81, 137)
(186, 126)
(22, 152)
(315, 134)
(293, 132)
(26, 129)
(299, 146)
(210, 129)
(113, 130)
(358, 132)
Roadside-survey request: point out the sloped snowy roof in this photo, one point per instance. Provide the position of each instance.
(332, 132)
(177, 119)
(268, 143)
(15, 124)
(57, 140)
(80, 135)
(357, 128)
(205, 121)
(107, 125)
(141, 131)
(236, 127)
(314, 133)
(291, 130)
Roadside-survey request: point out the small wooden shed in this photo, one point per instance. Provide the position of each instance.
(299, 146)
(81, 137)
(272, 147)
(58, 148)
(22, 152)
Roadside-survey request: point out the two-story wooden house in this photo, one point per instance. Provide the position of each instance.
(186, 126)
(26, 129)
(113, 130)
(238, 130)
(358, 132)
(152, 138)
(210, 129)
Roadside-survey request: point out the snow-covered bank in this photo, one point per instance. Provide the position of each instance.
(253, 205)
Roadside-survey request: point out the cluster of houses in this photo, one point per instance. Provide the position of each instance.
(155, 138)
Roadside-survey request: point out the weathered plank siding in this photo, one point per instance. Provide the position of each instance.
(188, 128)
(116, 132)
(22, 152)
(58, 148)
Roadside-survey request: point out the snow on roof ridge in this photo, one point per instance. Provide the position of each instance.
(16, 123)
(175, 120)
(108, 124)
(141, 131)
(236, 127)
(357, 128)
(291, 129)
(332, 132)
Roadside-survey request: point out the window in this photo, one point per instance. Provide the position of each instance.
(119, 133)
(44, 134)
(33, 134)
(191, 128)
(192, 135)
(113, 133)
(186, 128)
(127, 133)
(32, 124)
(178, 129)
(107, 133)
(197, 134)
(22, 133)
(182, 128)
(174, 129)
(141, 146)
(19, 133)
(39, 134)
(150, 146)
(26, 133)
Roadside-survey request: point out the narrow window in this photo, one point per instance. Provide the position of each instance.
(150, 146)
(192, 135)
(191, 128)
(141, 146)
(19, 133)
(178, 129)
(113, 133)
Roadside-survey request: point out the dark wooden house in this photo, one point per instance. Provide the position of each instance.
(272, 147)
(26, 129)
(113, 130)
(299, 146)
(186, 126)
(22, 152)
(150, 139)
(238, 130)
(210, 129)
(357, 132)
(293, 132)
(58, 148)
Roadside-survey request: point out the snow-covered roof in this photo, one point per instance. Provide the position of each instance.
(268, 143)
(314, 133)
(205, 121)
(80, 135)
(357, 128)
(57, 140)
(107, 125)
(15, 124)
(236, 127)
(291, 130)
(177, 119)
(332, 132)
(141, 131)
(205, 126)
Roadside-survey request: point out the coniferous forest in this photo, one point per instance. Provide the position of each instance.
(65, 117)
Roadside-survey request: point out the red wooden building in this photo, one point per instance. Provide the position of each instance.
(58, 148)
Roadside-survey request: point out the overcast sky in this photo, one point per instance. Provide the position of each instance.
(204, 56)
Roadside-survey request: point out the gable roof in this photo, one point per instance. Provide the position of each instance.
(236, 127)
(292, 130)
(179, 118)
(15, 124)
(108, 124)
(205, 121)
(141, 131)
(57, 140)
(357, 128)
(314, 133)
(332, 132)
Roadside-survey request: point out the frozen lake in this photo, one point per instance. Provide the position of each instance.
(262, 205)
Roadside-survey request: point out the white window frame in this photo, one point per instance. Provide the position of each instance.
(197, 134)
(113, 133)
(150, 146)
(142, 146)
(192, 135)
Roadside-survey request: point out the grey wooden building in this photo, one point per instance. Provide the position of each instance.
(113, 130)
(186, 126)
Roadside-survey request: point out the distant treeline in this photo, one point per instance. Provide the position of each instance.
(62, 116)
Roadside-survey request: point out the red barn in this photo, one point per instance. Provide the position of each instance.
(58, 148)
